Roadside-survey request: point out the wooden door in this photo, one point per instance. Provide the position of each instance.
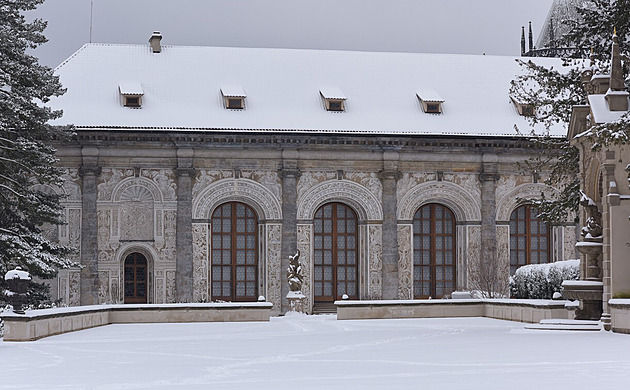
(135, 278)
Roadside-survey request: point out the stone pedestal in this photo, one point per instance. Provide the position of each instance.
(590, 289)
(590, 296)
(296, 301)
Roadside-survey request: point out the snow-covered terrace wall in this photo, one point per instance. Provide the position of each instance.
(522, 310)
(37, 324)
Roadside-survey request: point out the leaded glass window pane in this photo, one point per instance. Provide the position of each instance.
(234, 242)
(434, 250)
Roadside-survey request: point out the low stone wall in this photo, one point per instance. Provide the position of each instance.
(620, 315)
(530, 311)
(526, 310)
(36, 324)
(362, 310)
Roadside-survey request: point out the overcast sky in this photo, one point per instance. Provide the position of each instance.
(435, 26)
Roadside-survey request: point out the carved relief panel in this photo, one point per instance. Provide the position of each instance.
(268, 179)
(275, 273)
(205, 177)
(470, 182)
(200, 232)
(369, 180)
(308, 179)
(410, 180)
(375, 261)
(304, 240)
(136, 214)
(405, 262)
(503, 250)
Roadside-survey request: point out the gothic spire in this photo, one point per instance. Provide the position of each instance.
(531, 37)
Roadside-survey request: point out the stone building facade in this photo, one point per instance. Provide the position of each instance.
(211, 209)
(129, 192)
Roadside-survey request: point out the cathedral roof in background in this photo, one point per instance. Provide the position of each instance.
(558, 22)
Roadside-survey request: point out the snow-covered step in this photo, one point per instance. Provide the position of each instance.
(561, 324)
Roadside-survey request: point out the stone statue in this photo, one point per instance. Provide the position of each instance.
(593, 227)
(294, 272)
(294, 276)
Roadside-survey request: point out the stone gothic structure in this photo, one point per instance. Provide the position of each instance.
(605, 244)
(196, 172)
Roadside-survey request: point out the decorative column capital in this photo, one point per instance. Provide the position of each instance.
(390, 174)
(290, 172)
(90, 171)
(187, 172)
(489, 177)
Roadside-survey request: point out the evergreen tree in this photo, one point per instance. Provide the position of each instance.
(27, 171)
(553, 92)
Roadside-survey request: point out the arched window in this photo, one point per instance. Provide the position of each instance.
(335, 262)
(234, 253)
(529, 238)
(433, 252)
(135, 278)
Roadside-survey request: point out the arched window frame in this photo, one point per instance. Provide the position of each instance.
(530, 238)
(234, 278)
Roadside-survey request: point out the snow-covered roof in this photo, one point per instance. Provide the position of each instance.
(429, 95)
(233, 91)
(130, 88)
(600, 110)
(332, 93)
(182, 90)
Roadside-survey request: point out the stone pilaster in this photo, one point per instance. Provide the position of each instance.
(290, 174)
(488, 178)
(389, 178)
(89, 283)
(184, 238)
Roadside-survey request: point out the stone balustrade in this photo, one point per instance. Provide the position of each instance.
(36, 324)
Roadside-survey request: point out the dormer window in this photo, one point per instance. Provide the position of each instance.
(131, 94)
(433, 108)
(233, 97)
(334, 99)
(132, 101)
(523, 109)
(430, 101)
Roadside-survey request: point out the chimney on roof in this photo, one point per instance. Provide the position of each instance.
(154, 41)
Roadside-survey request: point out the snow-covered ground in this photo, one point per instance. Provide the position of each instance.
(319, 352)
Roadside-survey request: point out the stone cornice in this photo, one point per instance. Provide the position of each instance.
(97, 137)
